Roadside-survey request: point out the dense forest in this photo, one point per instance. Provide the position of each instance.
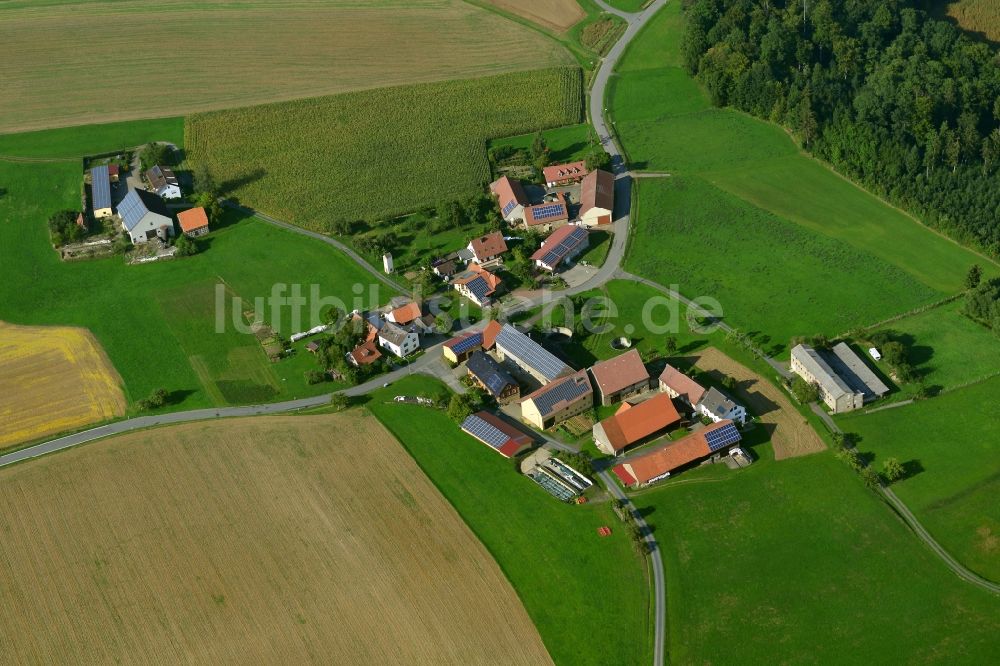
(902, 102)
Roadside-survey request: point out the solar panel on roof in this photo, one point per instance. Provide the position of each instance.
(100, 187)
(467, 343)
(528, 352)
(722, 437)
(564, 247)
(484, 431)
(550, 210)
(479, 287)
(568, 390)
(509, 207)
(131, 210)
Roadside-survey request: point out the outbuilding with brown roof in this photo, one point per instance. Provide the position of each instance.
(193, 221)
(620, 377)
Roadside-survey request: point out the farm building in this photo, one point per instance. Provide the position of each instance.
(490, 333)
(193, 221)
(558, 175)
(835, 392)
(516, 348)
(563, 245)
(676, 384)
(620, 377)
(546, 216)
(145, 216)
(632, 424)
(460, 348)
(488, 248)
(493, 379)
(661, 462)
(163, 181)
(717, 407)
(597, 198)
(398, 340)
(477, 284)
(559, 400)
(100, 191)
(364, 354)
(502, 437)
(852, 369)
(510, 197)
(113, 172)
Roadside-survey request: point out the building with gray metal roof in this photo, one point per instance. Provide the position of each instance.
(100, 191)
(855, 372)
(812, 367)
(145, 216)
(515, 347)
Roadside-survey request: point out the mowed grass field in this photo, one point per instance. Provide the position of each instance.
(154, 320)
(558, 15)
(796, 562)
(53, 379)
(814, 232)
(951, 449)
(257, 541)
(76, 62)
(587, 595)
(317, 160)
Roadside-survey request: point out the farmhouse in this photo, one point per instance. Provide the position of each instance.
(100, 191)
(597, 198)
(546, 216)
(661, 462)
(633, 423)
(510, 197)
(163, 181)
(620, 377)
(558, 175)
(144, 216)
(516, 348)
(193, 222)
(717, 407)
(564, 244)
(493, 379)
(477, 284)
(460, 348)
(398, 340)
(497, 434)
(488, 248)
(835, 393)
(676, 384)
(560, 400)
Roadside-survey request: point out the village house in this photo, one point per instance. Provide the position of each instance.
(163, 181)
(676, 384)
(497, 434)
(100, 191)
(477, 284)
(193, 222)
(400, 341)
(547, 216)
(558, 175)
(405, 314)
(364, 354)
(564, 245)
(597, 198)
(715, 406)
(516, 348)
(493, 379)
(460, 348)
(620, 377)
(510, 198)
(145, 217)
(445, 267)
(662, 461)
(632, 424)
(487, 249)
(558, 401)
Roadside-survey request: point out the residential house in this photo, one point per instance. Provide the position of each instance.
(477, 284)
(400, 341)
(676, 384)
(620, 377)
(487, 249)
(717, 407)
(510, 197)
(193, 222)
(493, 379)
(662, 461)
(597, 198)
(558, 175)
(546, 216)
(565, 244)
(163, 181)
(405, 314)
(100, 191)
(445, 267)
(813, 367)
(558, 401)
(365, 353)
(497, 434)
(460, 348)
(632, 424)
(516, 348)
(145, 217)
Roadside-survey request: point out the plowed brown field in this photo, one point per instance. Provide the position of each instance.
(53, 379)
(267, 540)
(559, 15)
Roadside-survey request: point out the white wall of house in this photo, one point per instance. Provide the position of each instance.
(591, 217)
(169, 192)
(151, 222)
(738, 414)
(410, 344)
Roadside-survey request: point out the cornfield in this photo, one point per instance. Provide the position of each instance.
(376, 153)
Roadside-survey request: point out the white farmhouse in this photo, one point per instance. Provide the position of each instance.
(718, 407)
(398, 340)
(164, 182)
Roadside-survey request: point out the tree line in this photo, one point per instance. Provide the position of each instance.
(902, 102)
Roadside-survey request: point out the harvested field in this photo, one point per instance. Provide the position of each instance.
(72, 62)
(559, 15)
(262, 540)
(982, 16)
(791, 435)
(53, 379)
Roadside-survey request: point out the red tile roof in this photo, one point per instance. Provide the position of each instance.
(406, 313)
(365, 353)
(623, 474)
(670, 456)
(554, 240)
(507, 190)
(112, 169)
(597, 191)
(682, 384)
(517, 439)
(489, 245)
(475, 271)
(559, 172)
(631, 424)
(192, 219)
(490, 333)
(620, 372)
(529, 214)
